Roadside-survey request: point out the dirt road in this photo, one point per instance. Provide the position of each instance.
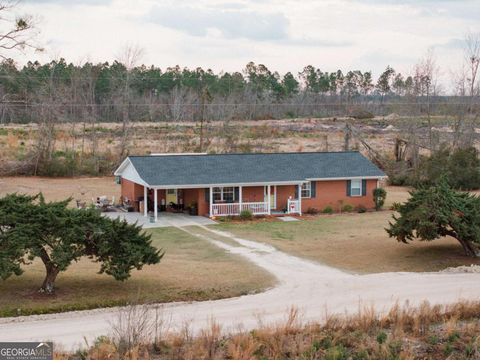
(315, 289)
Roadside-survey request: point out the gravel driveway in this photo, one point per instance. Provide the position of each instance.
(315, 289)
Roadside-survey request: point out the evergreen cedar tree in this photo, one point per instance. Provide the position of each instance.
(58, 235)
(439, 211)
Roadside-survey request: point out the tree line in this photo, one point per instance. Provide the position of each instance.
(119, 90)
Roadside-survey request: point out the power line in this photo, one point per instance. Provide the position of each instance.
(363, 105)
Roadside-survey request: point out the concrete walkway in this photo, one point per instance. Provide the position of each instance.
(164, 219)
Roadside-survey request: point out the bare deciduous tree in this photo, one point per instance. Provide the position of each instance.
(426, 84)
(468, 85)
(129, 56)
(472, 57)
(17, 32)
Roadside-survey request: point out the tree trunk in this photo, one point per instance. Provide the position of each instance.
(469, 248)
(48, 286)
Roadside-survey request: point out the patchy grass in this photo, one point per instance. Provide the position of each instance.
(192, 269)
(354, 242)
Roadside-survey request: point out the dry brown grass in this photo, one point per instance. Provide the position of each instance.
(405, 332)
(79, 188)
(351, 241)
(192, 269)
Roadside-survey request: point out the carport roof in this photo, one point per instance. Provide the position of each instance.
(223, 169)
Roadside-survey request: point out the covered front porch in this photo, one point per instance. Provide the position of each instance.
(232, 201)
(216, 201)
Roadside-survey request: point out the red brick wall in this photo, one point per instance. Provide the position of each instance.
(132, 191)
(283, 193)
(334, 193)
(328, 193)
(253, 194)
(203, 206)
(190, 196)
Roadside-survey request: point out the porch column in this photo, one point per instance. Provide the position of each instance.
(145, 201)
(269, 200)
(155, 204)
(300, 199)
(211, 202)
(240, 196)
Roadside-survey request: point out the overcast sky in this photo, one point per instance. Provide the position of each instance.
(285, 35)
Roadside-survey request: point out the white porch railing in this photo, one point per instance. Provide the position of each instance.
(293, 206)
(257, 208)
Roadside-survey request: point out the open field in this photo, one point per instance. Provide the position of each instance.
(302, 134)
(54, 189)
(192, 269)
(353, 242)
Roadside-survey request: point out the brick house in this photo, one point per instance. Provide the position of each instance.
(264, 183)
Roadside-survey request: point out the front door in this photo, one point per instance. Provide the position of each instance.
(273, 196)
(172, 196)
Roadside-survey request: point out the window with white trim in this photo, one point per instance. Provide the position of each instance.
(307, 190)
(223, 194)
(356, 187)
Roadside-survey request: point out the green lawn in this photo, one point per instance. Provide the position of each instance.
(192, 269)
(354, 242)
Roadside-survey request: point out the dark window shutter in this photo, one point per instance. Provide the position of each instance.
(237, 195)
(207, 195)
(296, 191)
(364, 187)
(349, 187)
(313, 191)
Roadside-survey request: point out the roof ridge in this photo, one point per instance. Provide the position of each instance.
(254, 153)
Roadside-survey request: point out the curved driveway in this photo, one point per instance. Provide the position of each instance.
(315, 289)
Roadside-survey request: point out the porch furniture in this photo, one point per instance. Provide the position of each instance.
(127, 204)
(193, 209)
(175, 207)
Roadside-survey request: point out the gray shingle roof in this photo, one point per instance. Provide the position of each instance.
(251, 168)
